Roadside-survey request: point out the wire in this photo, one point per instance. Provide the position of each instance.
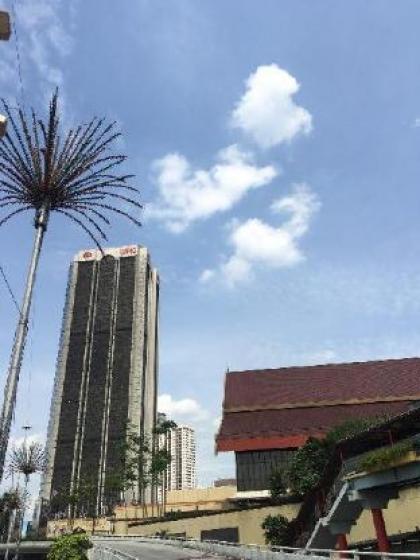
(9, 288)
(17, 50)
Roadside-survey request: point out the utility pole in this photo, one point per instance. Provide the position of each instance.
(5, 32)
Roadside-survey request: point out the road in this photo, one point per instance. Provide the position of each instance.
(146, 551)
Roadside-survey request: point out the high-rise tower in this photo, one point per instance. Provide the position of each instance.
(181, 473)
(106, 377)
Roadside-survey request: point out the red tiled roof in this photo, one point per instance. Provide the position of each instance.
(291, 427)
(265, 409)
(331, 383)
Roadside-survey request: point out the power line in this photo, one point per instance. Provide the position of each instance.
(17, 50)
(9, 288)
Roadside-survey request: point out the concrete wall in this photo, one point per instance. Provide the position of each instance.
(248, 523)
(401, 516)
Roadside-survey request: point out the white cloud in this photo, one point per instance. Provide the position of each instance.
(416, 123)
(187, 194)
(47, 37)
(206, 275)
(31, 438)
(256, 243)
(267, 112)
(179, 410)
(44, 39)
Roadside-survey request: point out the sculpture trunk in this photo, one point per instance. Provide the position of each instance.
(9, 401)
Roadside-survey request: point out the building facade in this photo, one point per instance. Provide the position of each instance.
(107, 368)
(181, 473)
(268, 414)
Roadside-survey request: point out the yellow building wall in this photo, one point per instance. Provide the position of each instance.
(248, 522)
(57, 527)
(401, 516)
(199, 498)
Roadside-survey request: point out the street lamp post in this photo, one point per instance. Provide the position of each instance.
(5, 27)
(5, 31)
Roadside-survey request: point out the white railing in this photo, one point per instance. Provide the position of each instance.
(242, 551)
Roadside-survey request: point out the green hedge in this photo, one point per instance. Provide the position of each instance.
(383, 457)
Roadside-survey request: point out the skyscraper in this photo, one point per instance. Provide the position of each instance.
(106, 376)
(181, 473)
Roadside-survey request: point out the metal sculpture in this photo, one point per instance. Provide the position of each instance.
(72, 174)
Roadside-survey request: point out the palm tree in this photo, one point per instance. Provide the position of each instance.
(14, 502)
(45, 170)
(161, 458)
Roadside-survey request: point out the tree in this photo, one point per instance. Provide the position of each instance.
(16, 500)
(353, 427)
(45, 169)
(87, 498)
(10, 501)
(163, 427)
(65, 502)
(277, 530)
(277, 485)
(163, 456)
(70, 547)
(160, 461)
(308, 465)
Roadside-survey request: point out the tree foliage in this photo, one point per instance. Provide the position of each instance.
(70, 547)
(353, 427)
(11, 500)
(140, 463)
(277, 530)
(277, 484)
(308, 465)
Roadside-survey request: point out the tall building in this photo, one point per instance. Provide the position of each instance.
(107, 367)
(181, 473)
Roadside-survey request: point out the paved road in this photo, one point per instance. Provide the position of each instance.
(146, 551)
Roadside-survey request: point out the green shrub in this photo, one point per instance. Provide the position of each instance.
(383, 457)
(308, 465)
(70, 547)
(277, 530)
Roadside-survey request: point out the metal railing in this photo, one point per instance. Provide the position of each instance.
(242, 551)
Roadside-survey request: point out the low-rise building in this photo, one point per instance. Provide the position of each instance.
(268, 414)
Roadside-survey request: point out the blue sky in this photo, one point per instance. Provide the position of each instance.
(276, 144)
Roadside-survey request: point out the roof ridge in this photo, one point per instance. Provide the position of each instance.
(322, 403)
(330, 364)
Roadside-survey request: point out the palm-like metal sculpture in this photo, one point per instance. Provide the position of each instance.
(28, 458)
(72, 174)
